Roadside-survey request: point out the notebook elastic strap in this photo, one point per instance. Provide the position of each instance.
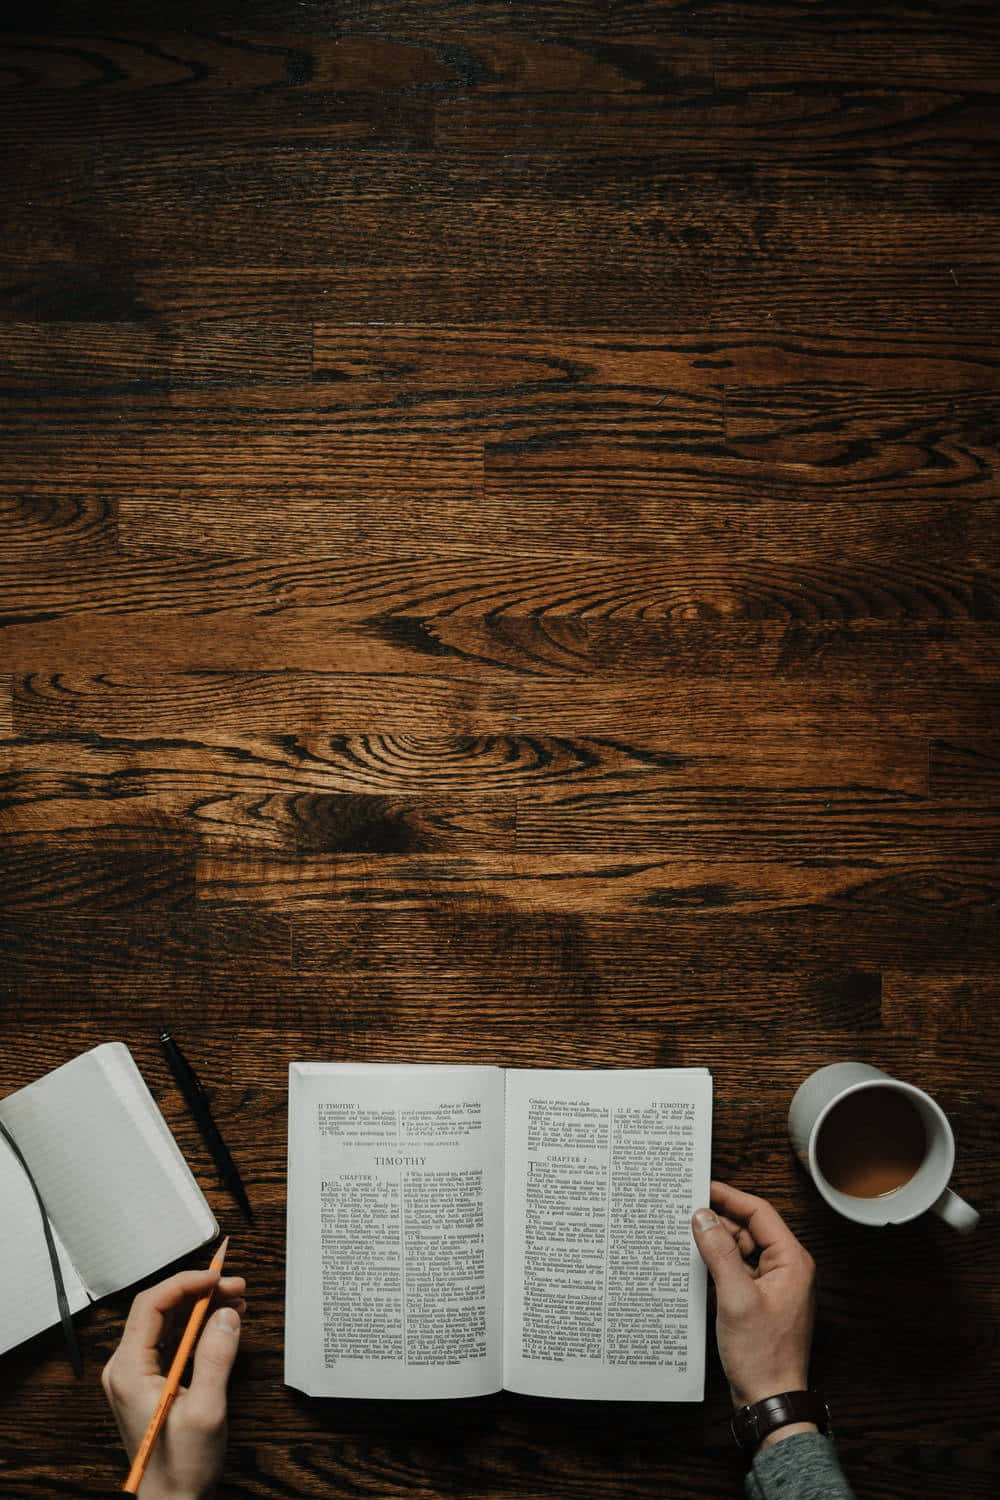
(69, 1332)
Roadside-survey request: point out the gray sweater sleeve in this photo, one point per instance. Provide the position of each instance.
(801, 1467)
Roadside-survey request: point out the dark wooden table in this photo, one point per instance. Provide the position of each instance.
(498, 563)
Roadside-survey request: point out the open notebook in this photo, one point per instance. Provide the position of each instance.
(120, 1196)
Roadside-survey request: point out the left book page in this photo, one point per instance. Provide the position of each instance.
(394, 1277)
(120, 1196)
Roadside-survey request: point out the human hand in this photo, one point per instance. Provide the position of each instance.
(764, 1312)
(187, 1458)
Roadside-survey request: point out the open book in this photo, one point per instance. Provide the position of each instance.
(120, 1196)
(453, 1231)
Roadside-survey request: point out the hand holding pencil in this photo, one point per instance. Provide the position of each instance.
(186, 1457)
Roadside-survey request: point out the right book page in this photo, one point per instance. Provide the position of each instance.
(604, 1289)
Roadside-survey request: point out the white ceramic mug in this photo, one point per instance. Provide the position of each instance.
(926, 1189)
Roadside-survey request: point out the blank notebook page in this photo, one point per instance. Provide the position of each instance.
(118, 1190)
(27, 1286)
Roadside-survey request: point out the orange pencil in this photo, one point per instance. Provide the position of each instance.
(173, 1380)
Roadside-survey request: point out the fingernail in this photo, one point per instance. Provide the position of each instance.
(226, 1318)
(704, 1218)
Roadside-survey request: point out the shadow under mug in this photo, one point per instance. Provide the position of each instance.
(927, 1188)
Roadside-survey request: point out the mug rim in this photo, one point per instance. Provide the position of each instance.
(827, 1190)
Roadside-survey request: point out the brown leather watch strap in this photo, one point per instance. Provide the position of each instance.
(750, 1425)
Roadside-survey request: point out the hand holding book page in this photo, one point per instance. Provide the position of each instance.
(454, 1230)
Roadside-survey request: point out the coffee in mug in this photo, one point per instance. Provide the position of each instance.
(880, 1151)
(871, 1142)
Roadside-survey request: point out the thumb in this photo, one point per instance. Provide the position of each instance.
(213, 1358)
(720, 1253)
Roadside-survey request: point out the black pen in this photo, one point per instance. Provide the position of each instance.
(197, 1100)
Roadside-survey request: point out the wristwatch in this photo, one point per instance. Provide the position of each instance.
(750, 1425)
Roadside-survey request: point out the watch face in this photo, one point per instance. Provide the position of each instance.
(743, 1426)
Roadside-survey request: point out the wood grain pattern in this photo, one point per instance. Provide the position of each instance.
(685, 582)
(207, 703)
(500, 563)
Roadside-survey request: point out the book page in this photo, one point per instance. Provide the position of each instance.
(28, 1299)
(604, 1286)
(395, 1230)
(118, 1190)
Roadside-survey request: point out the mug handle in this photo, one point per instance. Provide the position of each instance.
(956, 1212)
